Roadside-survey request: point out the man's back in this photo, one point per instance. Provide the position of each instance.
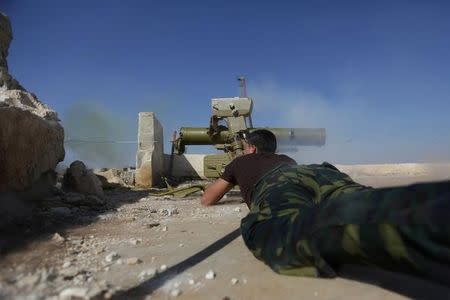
(247, 170)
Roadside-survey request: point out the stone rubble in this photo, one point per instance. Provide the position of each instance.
(112, 257)
(83, 261)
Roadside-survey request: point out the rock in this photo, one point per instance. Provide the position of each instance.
(234, 281)
(169, 211)
(135, 241)
(69, 272)
(81, 180)
(175, 292)
(164, 228)
(28, 281)
(133, 261)
(74, 293)
(191, 281)
(31, 137)
(163, 268)
(66, 264)
(61, 211)
(147, 274)
(151, 225)
(237, 209)
(96, 292)
(210, 275)
(58, 238)
(112, 257)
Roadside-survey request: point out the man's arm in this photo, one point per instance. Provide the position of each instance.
(215, 191)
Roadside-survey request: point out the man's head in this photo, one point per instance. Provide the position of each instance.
(260, 141)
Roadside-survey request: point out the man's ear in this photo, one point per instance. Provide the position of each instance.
(253, 149)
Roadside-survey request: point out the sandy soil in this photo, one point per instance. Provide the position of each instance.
(176, 238)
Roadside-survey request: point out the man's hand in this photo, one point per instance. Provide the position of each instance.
(215, 192)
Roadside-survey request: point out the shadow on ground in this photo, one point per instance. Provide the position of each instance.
(27, 219)
(403, 284)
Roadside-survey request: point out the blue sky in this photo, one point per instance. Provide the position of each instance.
(375, 74)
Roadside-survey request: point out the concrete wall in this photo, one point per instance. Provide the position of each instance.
(150, 153)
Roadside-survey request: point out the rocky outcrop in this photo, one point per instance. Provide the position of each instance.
(31, 137)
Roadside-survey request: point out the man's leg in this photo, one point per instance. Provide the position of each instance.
(403, 228)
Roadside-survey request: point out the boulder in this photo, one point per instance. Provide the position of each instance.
(31, 137)
(81, 180)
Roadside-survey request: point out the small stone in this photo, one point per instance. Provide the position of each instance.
(73, 293)
(95, 292)
(163, 268)
(164, 228)
(175, 292)
(191, 281)
(210, 274)
(135, 241)
(237, 209)
(106, 269)
(91, 236)
(226, 298)
(234, 281)
(66, 264)
(119, 261)
(147, 274)
(60, 211)
(133, 261)
(180, 245)
(29, 280)
(112, 257)
(100, 250)
(316, 294)
(57, 238)
(169, 211)
(151, 225)
(69, 272)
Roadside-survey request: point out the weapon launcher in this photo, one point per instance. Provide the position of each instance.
(229, 124)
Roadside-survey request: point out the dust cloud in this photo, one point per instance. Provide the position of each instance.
(99, 137)
(356, 133)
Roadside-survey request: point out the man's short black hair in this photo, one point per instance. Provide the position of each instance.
(263, 139)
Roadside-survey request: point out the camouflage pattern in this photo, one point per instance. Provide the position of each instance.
(308, 220)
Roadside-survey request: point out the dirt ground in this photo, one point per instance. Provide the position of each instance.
(145, 247)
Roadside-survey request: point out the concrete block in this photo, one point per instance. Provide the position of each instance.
(185, 165)
(150, 153)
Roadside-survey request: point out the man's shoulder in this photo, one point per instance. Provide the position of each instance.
(254, 157)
